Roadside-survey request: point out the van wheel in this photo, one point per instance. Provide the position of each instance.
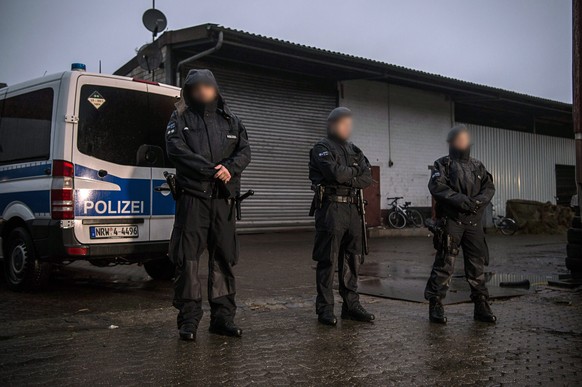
(22, 269)
(160, 268)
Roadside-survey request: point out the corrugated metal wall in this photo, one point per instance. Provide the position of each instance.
(523, 164)
(284, 115)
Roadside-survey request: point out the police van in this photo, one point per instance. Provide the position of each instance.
(82, 158)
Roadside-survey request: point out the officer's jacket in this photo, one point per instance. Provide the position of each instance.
(199, 139)
(455, 182)
(333, 163)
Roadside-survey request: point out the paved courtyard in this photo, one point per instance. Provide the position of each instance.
(114, 326)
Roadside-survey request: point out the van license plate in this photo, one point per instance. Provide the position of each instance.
(102, 232)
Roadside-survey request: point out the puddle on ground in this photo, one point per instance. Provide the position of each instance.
(500, 285)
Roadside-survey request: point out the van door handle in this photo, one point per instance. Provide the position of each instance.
(102, 173)
(164, 189)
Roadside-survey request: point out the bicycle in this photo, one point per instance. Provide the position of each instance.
(506, 225)
(401, 215)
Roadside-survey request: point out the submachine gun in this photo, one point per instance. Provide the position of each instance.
(437, 227)
(238, 201)
(362, 203)
(174, 190)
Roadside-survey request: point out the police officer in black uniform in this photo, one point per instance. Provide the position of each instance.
(462, 188)
(338, 169)
(209, 147)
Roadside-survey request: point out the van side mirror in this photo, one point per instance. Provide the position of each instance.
(150, 156)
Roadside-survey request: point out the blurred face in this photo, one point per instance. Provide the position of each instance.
(462, 141)
(342, 128)
(204, 93)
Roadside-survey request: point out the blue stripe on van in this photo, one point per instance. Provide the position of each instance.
(25, 171)
(37, 201)
(133, 199)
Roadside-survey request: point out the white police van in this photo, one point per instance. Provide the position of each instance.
(81, 156)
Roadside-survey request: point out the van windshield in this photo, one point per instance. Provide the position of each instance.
(114, 123)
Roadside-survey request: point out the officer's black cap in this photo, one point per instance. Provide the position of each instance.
(338, 113)
(455, 131)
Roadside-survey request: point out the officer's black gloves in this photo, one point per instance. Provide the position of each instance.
(473, 206)
(357, 170)
(470, 205)
(361, 169)
(361, 181)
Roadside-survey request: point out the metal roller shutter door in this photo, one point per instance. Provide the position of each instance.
(284, 115)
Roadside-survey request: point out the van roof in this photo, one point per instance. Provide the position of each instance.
(71, 74)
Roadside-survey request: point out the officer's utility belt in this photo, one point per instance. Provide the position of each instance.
(341, 191)
(335, 194)
(216, 189)
(341, 199)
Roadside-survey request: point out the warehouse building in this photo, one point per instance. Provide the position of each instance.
(284, 91)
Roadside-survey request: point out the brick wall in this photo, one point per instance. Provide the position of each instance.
(405, 125)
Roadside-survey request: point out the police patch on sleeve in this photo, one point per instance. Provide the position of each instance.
(436, 175)
(171, 128)
(324, 154)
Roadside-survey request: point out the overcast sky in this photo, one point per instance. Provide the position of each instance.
(521, 45)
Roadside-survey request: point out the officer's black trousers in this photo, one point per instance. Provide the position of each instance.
(471, 238)
(199, 224)
(338, 236)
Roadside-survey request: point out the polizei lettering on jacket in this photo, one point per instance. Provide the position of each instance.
(123, 207)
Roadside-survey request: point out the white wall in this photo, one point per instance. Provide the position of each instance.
(522, 164)
(417, 122)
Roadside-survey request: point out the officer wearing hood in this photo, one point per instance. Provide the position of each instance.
(337, 170)
(462, 188)
(209, 147)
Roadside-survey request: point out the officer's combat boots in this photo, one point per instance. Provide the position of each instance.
(225, 328)
(326, 317)
(483, 311)
(188, 331)
(356, 313)
(188, 318)
(436, 311)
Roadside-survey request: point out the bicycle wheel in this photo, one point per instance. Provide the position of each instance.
(507, 226)
(396, 220)
(415, 218)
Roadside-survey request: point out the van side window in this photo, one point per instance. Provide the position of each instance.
(25, 127)
(115, 122)
(115, 129)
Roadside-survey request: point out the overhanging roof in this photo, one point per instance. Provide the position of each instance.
(252, 49)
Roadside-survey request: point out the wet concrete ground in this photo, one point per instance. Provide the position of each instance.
(114, 326)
